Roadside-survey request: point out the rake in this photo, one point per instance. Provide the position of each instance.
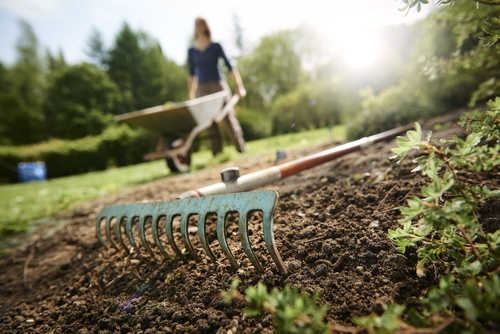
(232, 196)
(244, 204)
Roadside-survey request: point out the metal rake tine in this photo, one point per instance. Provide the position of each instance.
(98, 230)
(267, 226)
(118, 232)
(154, 228)
(202, 235)
(142, 235)
(170, 235)
(185, 236)
(108, 231)
(128, 230)
(221, 236)
(108, 215)
(265, 202)
(245, 240)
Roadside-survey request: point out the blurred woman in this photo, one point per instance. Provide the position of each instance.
(205, 78)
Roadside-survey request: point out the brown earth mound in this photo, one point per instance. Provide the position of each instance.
(330, 226)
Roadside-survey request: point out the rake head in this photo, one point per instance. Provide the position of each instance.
(243, 204)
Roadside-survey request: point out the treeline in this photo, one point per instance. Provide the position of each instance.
(454, 64)
(293, 82)
(43, 97)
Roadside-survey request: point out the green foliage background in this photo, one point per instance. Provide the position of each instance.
(294, 83)
(117, 145)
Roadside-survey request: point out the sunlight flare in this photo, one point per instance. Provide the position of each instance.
(361, 50)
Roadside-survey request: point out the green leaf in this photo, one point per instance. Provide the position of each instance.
(416, 319)
(415, 136)
(252, 313)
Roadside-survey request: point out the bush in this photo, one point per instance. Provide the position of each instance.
(394, 106)
(312, 105)
(444, 224)
(293, 312)
(409, 102)
(254, 123)
(118, 145)
(126, 146)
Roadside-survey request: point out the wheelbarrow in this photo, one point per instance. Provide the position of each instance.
(178, 124)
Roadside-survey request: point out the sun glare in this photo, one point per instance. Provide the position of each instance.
(361, 51)
(361, 54)
(360, 48)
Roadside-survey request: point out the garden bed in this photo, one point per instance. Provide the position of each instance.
(330, 227)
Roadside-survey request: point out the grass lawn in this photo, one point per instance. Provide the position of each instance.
(24, 205)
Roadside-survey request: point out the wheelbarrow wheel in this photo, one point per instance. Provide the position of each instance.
(179, 163)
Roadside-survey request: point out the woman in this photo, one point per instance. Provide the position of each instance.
(205, 78)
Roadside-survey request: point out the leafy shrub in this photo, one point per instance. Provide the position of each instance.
(119, 145)
(394, 106)
(254, 123)
(409, 102)
(444, 224)
(126, 146)
(311, 105)
(81, 101)
(293, 312)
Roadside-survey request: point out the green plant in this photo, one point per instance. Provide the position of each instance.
(293, 312)
(254, 123)
(383, 111)
(445, 225)
(385, 323)
(118, 145)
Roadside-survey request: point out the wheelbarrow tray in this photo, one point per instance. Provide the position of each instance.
(181, 120)
(181, 117)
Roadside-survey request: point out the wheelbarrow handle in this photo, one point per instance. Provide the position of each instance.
(227, 108)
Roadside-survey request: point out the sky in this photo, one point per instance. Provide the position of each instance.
(66, 25)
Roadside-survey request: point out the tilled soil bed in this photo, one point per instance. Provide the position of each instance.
(330, 227)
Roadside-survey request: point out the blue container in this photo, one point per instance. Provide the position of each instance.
(31, 171)
(280, 155)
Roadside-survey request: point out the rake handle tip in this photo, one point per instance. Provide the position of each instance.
(189, 194)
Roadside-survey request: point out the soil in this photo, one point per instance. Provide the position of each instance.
(331, 228)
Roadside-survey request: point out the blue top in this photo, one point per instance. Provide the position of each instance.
(205, 64)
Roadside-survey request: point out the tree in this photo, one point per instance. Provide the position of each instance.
(96, 50)
(166, 79)
(56, 63)
(80, 101)
(273, 68)
(238, 35)
(29, 68)
(450, 68)
(475, 26)
(7, 103)
(143, 74)
(23, 92)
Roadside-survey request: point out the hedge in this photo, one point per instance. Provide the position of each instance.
(118, 145)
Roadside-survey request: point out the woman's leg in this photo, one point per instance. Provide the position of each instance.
(215, 139)
(235, 131)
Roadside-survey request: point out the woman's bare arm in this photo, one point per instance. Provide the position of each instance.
(240, 88)
(192, 86)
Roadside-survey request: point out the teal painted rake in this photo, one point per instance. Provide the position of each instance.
(244, 204)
